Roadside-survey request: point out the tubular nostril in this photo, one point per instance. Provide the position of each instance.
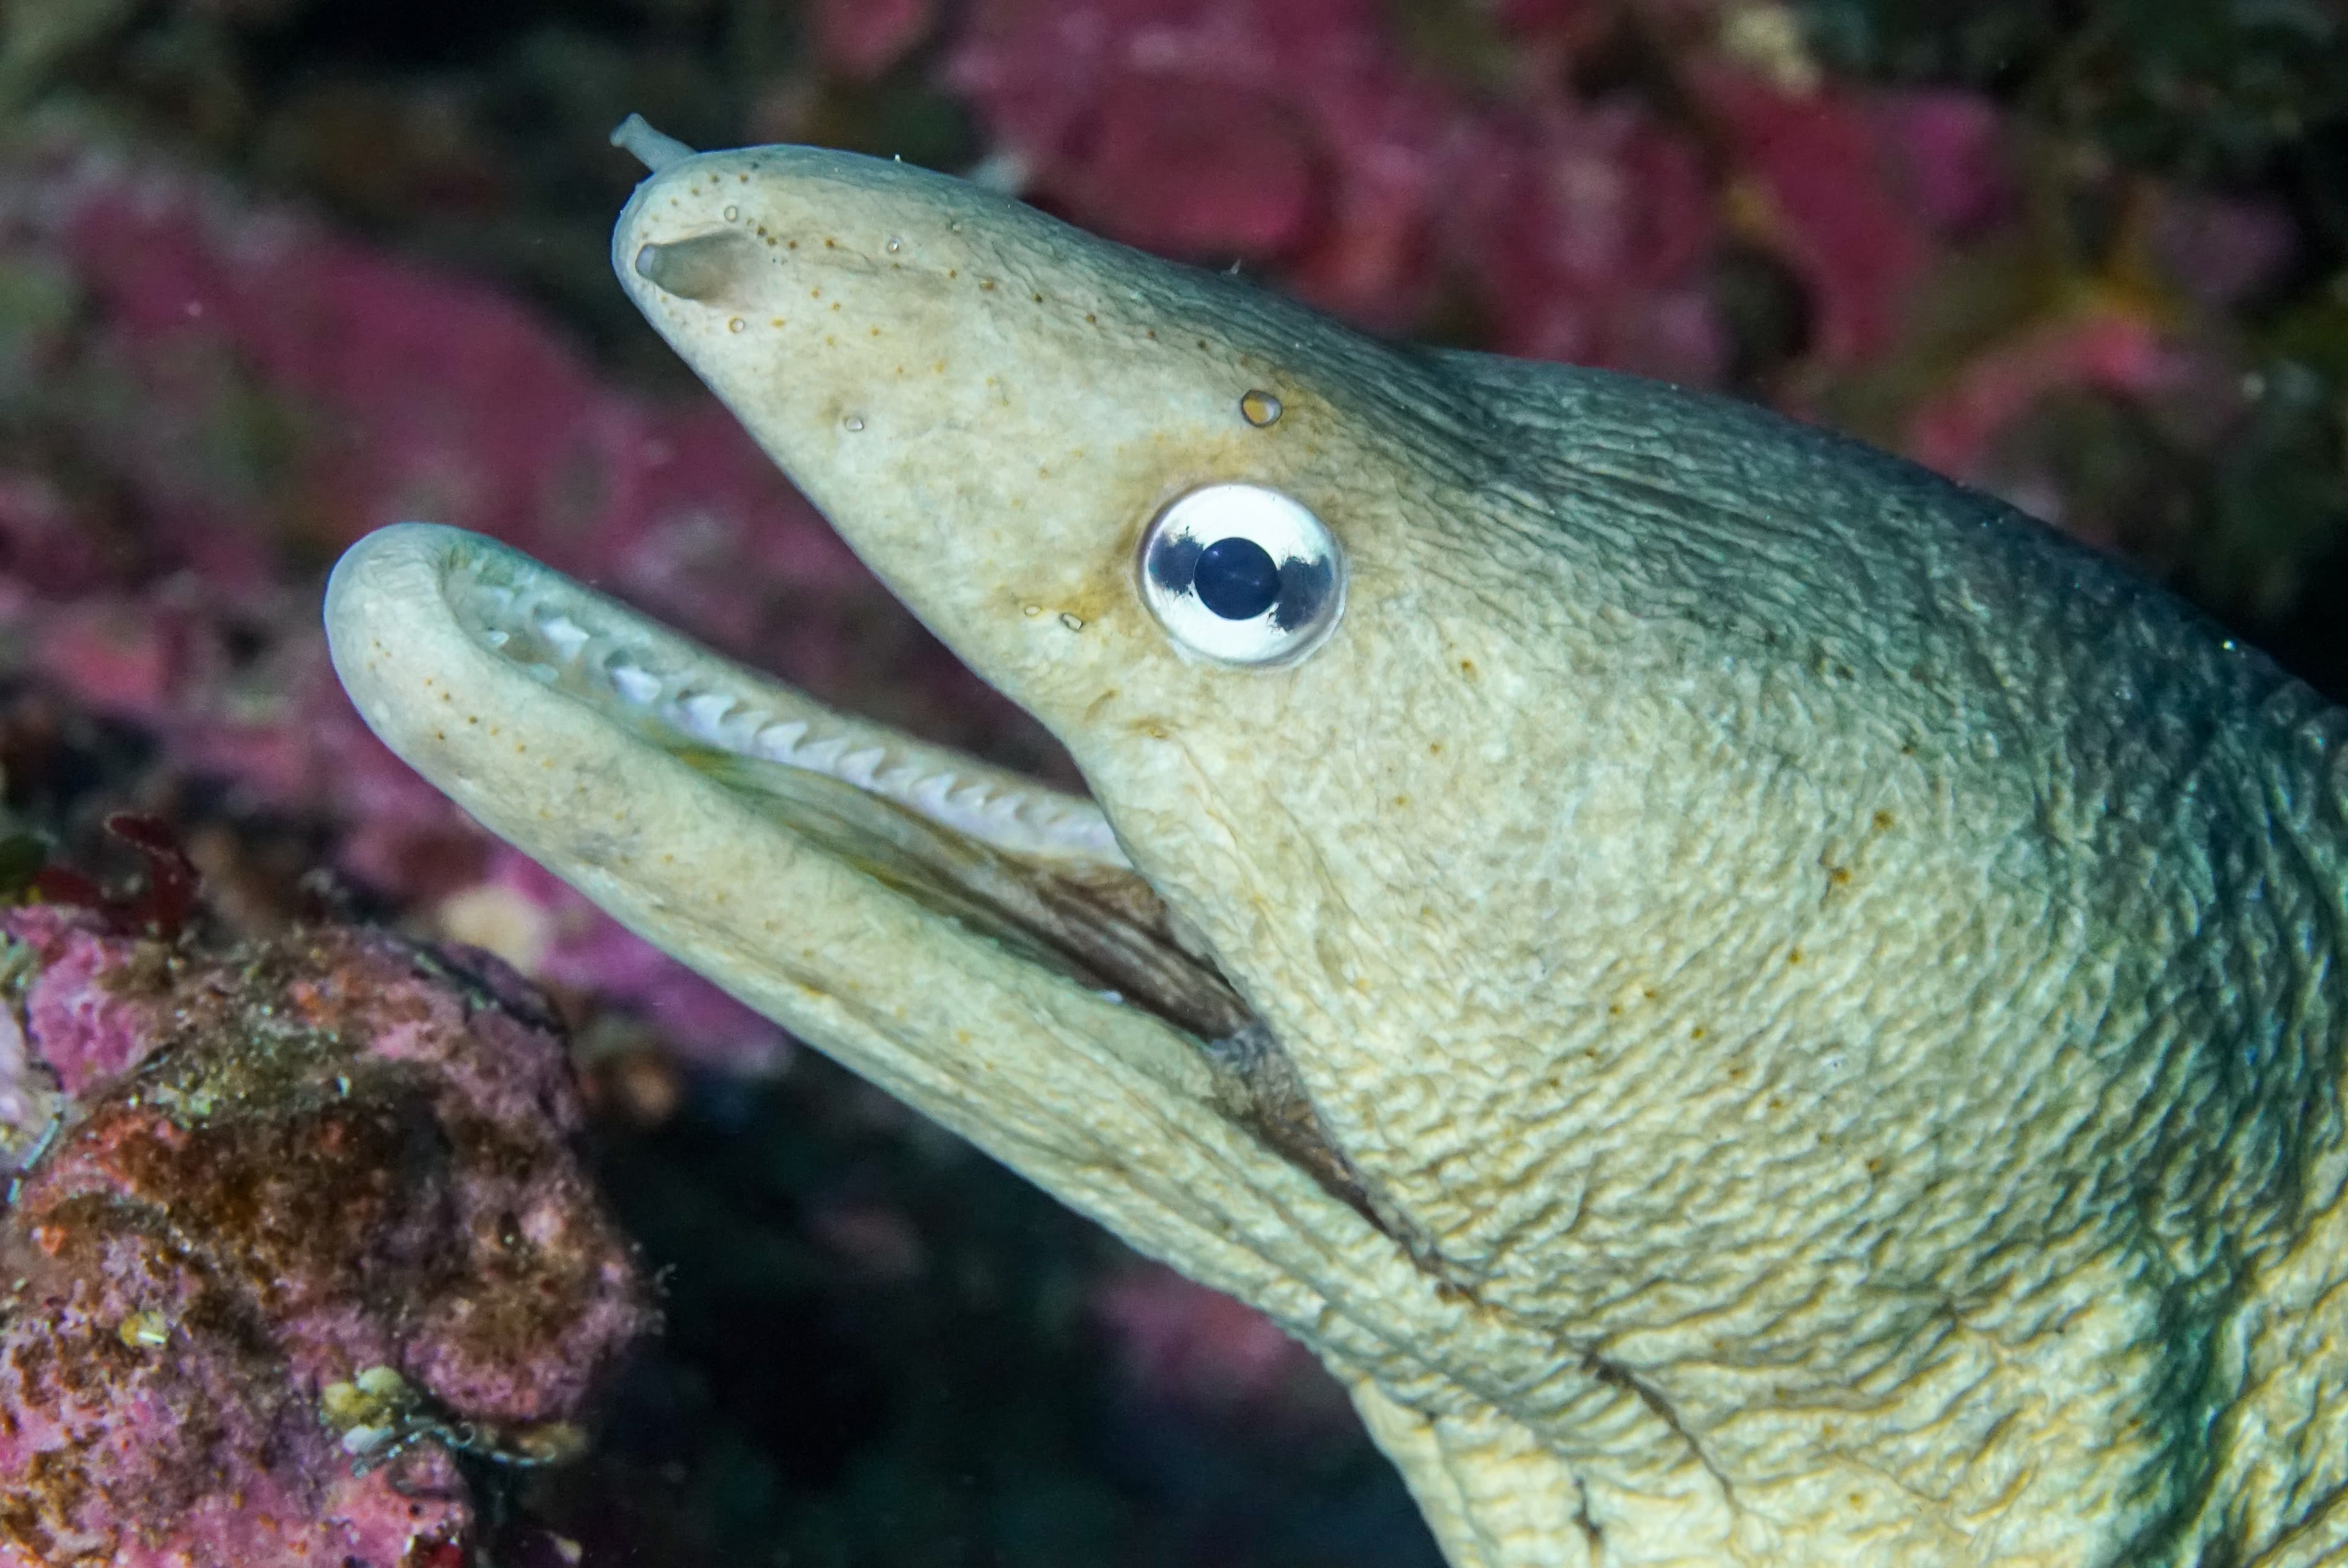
(709, 267)
(653, 149)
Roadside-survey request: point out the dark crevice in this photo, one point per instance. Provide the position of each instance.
(1618, 1377)
(1261, 1090)
(1590, 1530)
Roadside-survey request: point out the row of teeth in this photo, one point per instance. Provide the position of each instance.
(1010, 819)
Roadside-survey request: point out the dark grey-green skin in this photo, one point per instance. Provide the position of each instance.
(1756, 1006)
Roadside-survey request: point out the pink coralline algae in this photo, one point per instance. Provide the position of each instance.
(1586, 235)
(313, 1220)
(2109, 350)
(1819, 160)
(1306, 139)
(1302, 136)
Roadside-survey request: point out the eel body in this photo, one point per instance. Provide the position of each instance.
(1754, 1005)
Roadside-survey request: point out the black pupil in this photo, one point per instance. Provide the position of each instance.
(1236, 578)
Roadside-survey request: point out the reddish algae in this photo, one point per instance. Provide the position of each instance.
(314, 1218)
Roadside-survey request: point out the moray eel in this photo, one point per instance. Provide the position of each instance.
(1755, 1007)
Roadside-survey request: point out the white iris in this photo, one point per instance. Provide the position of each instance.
(1242, 575)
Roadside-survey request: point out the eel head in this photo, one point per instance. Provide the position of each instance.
(1668, 947)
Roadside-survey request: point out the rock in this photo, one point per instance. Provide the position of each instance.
(314, 1223)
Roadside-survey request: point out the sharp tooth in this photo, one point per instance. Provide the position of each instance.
(932, 793)
(859, 767)
(705, 711)
(497, 639)
(632, 684)
(567, 635)
(824, 755)
(776, 739)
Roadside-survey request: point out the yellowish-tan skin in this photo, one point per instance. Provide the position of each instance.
(1824, 1003)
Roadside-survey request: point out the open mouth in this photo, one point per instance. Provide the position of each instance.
(1036, 872)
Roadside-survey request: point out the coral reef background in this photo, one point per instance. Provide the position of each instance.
(273, 273)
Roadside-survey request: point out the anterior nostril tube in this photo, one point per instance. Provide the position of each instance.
(654, 150)
(708, 267)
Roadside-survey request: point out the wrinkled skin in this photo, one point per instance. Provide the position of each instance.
(1790, 1016)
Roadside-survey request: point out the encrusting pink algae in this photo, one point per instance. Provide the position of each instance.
(312, 1224)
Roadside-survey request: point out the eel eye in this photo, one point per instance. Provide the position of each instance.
(1242, 575)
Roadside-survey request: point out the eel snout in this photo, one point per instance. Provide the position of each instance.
(990, 406)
